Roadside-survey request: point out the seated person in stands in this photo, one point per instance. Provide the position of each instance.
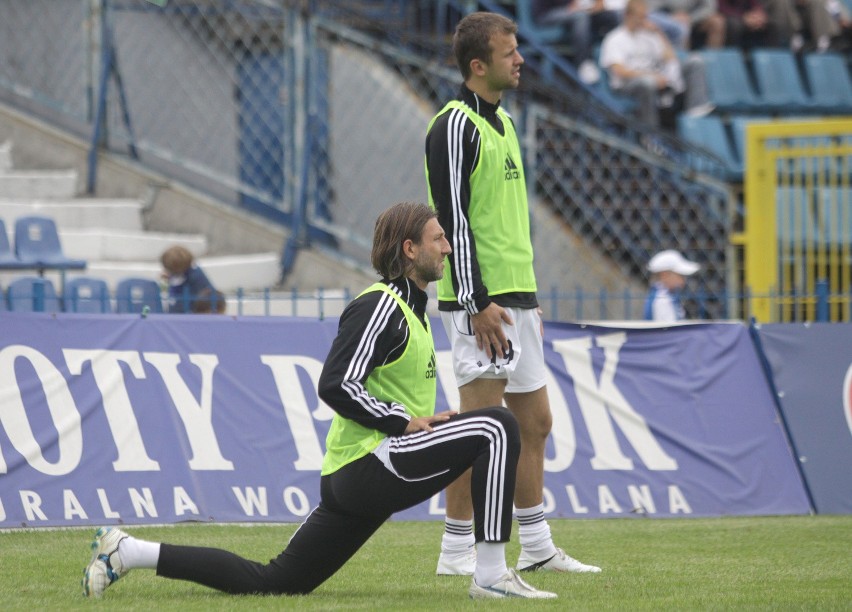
(187, 282)
(747, 24)
(799, 21)
(689, 24)
(841, 15)
(642, 64)
(586, 22)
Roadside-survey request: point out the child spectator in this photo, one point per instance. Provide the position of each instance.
(669, 270)
(187, 282)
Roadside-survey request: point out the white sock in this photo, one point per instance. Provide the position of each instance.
(138, 554)
(490, 563)
(458, 536)
(534, 533)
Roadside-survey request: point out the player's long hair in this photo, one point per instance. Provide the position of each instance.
(472, 38)
(400, 222)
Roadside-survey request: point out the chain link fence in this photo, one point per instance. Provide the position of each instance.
(314, 114)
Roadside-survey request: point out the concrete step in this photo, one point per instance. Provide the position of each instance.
(108, 244)
(248, 272)
(6, 156)
(117, 214)
(38, 184)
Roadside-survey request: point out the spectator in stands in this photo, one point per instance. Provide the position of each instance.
(186, 280)
(798, 22)
(689, 24)
(642, 63)
(747, 24)
(842, 17)
(586, 22)
(669, 270)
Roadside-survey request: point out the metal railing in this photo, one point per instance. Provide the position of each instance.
(557, 305)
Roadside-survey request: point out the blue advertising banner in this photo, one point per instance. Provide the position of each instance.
(122, 419)
(812, 369)
(674, 421)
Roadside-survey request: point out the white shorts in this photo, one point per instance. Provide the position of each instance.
(523, 368)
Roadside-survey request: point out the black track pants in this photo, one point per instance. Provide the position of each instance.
(358, 498)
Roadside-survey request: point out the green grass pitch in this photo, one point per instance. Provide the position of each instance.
(754, 563)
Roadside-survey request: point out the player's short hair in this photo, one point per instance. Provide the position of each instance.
(176, 260)
(472, 38)
(400, 222)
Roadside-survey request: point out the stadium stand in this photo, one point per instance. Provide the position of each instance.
(33, 294)
(37, 245)
(830, 84)
(617, 188)
(728, 83)
(8, 260)
(738, 131)
(134, 295)
(41, 184)
(60, 235)
(546, 35)
(86, 294)
(552, 37)
(780, 85)
(710, 133)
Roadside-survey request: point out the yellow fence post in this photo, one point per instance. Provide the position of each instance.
(761, 252)
(811, 161)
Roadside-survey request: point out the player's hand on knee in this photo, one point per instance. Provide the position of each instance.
(425, 423)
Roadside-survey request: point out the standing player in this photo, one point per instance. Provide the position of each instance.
(488, 303)
(386, 450)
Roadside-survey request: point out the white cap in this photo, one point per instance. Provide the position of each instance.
(673, 261)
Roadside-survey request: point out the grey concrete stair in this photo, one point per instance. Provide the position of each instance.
(109, 233)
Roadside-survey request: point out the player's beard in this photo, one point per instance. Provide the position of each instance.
(427, 269)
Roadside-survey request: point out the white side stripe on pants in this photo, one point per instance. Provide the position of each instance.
(495, 478)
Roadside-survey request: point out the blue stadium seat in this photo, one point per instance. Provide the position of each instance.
(831, 86)
(779, 83)
(709, 133)
(134, 294)
(624, 104)
(37, 245)
(86, 294)
(8, 261)
(738, 131)
(728, 84)
(32, 294)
